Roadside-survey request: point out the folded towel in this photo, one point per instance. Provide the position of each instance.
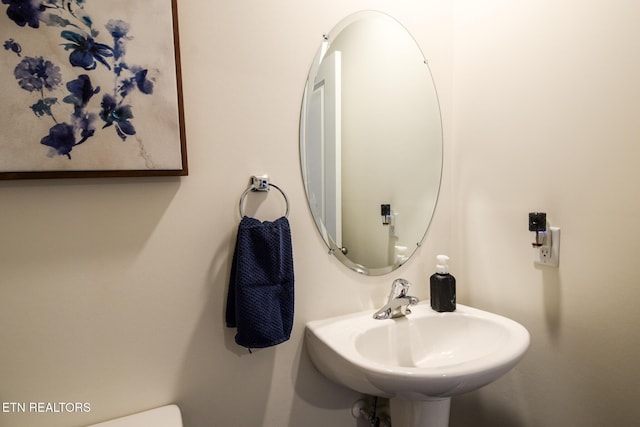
(260, 298)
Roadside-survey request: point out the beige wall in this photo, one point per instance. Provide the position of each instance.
(546, 104)
(113, 291)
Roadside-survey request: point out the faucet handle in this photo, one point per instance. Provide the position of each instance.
(399, 288)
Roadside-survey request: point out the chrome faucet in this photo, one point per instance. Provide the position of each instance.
(398, 301)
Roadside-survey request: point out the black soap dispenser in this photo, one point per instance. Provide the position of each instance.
(443, 287)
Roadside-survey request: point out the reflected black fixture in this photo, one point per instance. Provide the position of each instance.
(538, 225)
(385, 211)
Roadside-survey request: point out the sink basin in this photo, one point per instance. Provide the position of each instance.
(423, 356)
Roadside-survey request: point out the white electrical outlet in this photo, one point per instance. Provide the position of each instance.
(549, 253)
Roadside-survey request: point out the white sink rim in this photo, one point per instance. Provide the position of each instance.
(332, 347)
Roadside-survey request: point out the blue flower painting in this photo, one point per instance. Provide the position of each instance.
(36, 74)
(85, 51)
(72, 67)
(24, 12)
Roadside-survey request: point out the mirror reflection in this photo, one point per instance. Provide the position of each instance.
(371, 143)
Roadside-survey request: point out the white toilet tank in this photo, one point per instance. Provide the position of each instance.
(166, 416)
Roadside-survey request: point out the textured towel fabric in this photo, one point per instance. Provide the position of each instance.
(260, 298)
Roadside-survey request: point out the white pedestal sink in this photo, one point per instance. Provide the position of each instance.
(418, 361)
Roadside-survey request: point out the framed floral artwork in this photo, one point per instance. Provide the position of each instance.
(90, 88)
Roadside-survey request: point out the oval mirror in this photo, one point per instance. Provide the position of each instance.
(371, 143)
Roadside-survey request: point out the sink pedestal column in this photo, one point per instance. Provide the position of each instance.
(420, 413)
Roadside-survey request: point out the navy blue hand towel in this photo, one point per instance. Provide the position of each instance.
(260, 298)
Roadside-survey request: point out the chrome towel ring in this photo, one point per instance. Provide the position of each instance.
(261, 183)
